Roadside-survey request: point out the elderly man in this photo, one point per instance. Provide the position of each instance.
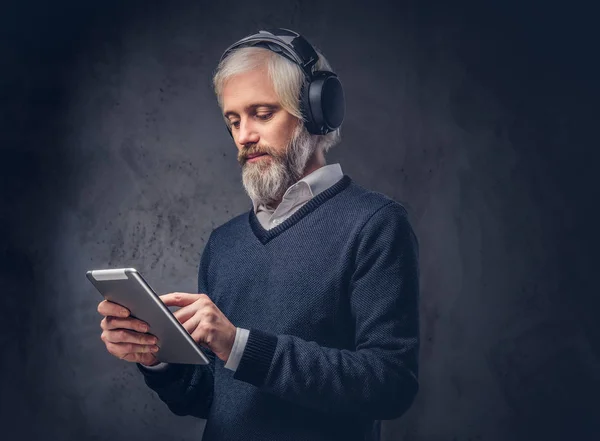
(307, 304)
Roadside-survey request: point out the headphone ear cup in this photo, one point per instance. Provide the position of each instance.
(325, 101)
(306, 109)
(333, 102)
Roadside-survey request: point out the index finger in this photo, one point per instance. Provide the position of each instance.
(179, 298)
(107, 308)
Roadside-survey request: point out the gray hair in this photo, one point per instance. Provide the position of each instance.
(287, 78)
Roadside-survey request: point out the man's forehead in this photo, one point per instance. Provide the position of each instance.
(248, 90)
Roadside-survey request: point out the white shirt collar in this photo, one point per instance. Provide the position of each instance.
(308, 187)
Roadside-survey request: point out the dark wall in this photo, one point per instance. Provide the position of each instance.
(479, 118)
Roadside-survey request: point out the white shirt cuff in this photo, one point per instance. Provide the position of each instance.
(241, 338)
(157, 367)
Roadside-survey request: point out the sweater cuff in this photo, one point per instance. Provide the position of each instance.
(161, 376)
(258, 355)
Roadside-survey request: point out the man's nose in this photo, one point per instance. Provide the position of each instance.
(247, 133)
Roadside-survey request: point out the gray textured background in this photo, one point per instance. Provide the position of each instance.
(480, 119)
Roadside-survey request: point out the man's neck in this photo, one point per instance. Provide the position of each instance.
(315, 162)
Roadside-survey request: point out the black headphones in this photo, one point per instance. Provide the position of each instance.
(322, 102)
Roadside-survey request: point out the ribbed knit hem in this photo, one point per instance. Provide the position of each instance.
(257, 358)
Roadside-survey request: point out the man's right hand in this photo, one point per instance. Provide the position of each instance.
(126, 337)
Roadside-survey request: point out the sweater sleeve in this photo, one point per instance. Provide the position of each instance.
(186, 389)
(379, 378)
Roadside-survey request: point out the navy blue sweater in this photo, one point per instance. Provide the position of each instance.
(330, 297)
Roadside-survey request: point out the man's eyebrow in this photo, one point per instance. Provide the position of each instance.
(271, 106)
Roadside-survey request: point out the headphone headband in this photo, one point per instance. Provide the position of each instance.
(285, 42)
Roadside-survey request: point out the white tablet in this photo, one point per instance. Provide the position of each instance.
(128, 288)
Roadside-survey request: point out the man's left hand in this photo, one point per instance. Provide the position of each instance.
(204, 321)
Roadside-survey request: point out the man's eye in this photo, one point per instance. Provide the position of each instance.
(264, 116)
(235, 124)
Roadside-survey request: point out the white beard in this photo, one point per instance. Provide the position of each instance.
(267, 179)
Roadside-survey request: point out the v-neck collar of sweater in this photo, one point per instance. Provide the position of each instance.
(266, 235)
